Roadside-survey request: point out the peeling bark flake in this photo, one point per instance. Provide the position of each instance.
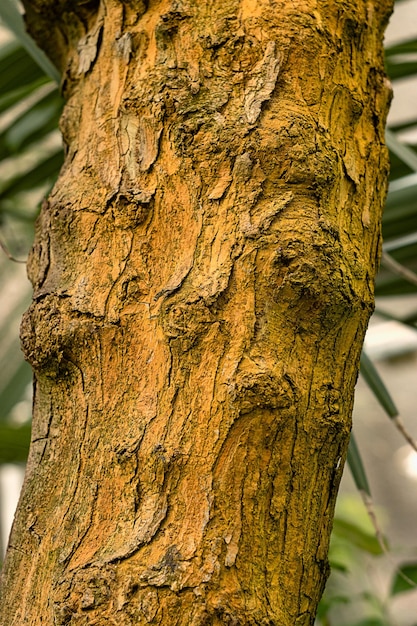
(124, 47)
(223, 181)
(262, 84)
(88, 47)
(148, 143)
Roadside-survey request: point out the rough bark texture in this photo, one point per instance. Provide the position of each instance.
(203, 276)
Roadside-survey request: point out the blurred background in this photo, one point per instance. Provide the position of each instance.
(373, 580)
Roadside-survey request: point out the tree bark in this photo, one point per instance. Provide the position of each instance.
(203, 277)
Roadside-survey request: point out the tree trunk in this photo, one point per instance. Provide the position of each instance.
(203, 277)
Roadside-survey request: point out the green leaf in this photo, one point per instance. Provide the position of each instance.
(329, 601)
(372, 621)
(15, 96)
(391, 280)
(409, 320)
(406, 47)
(338, 565)
(400, 582)
(400, 242)
(12, 18)
(47, 168)
(389, 284)
(402, 151)
(398, 168)
(370, 374)
(14, 443)
(402, 189)
(356, 466)
(400, 66)
(17, 68)
(13, 392)
(356, 536)
(401, 207)
(401, 59)
(33, 124)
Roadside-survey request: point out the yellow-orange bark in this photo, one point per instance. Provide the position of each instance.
(203, 276)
